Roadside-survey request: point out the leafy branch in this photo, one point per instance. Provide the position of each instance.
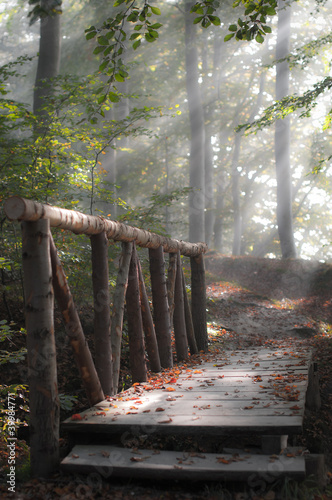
(289, 104)
(253, 25)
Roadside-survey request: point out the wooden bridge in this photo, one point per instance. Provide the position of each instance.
(260, 392)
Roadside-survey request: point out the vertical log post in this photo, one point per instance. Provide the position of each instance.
(160, 306)
(74, 330)
(42, 372)
(148, 326)
(180, 332)
(171, 276)
(135, 324)
(189, 320)
(102, 316)
(118, 310)
(198, 301)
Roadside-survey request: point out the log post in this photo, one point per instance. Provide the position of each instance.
(160, 306)
(180, 332)
(198, 301)
(118, 310)
(171, 276)
(189, 320)
(41, 351)
(148, 326)
(135, 324)
(74, 330)
(102, 316)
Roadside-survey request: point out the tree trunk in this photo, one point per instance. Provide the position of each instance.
(74, 330)
(42, 371)
(135, 324)
(196, 117)
(148, 326)
(282, 139)
(180, 332)
(102, 316)
(198, 302)
(118, 310)
(237, 224)
(49, 58)
(160, 306)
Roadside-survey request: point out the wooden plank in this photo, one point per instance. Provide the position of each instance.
(184, 424)
(114, 461)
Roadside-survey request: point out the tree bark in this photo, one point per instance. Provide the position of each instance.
(180, 332)
(102, 316)
(135, 324)
(42, 371)
(160, 306)
(237, 224)
(196, 118)
(171, 277)
(198, 302)
(282, 139)
(148, 326)
(74, 331)
(17, 208)
(118, 310)
(48, 60)
(188, 318)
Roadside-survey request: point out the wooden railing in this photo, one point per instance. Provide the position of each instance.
(44, 279)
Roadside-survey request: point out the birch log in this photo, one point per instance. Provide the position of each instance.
(118, 310)
(135, 324)
(74, 331)
(102, 315)
(180, 333)
(171, 276)
(17, 208)
(148, 326)
(160, 306)
(198, 302)
(41, 351)
(189, 320)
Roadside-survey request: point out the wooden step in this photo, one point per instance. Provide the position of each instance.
(108, 460)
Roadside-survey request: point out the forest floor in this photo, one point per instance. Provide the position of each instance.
(251, 302)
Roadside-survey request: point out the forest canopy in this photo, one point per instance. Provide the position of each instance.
(148, 107)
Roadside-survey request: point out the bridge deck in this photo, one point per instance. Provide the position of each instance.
(259, 391)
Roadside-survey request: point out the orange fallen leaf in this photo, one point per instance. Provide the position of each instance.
(160, 409)
(295, 407)
(76, 416)
(169, 389)
(222, 460)
(165, 421)
(100, 413)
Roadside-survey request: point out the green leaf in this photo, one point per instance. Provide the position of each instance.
(117, 3)
(215, 20)
(228, 37)
(156, 26)
(259, 38)
(232, 27)
(99, 49)
(267, 29)
(118, 77)
(198, 19)
(102, 40)
(155, 10)
(90, 35)
(136, 44)
(103, 65)
(113, 97)
(134, 36)
(270, 11)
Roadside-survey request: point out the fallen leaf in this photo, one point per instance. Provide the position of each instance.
(105, 454)
(160, 409)
(165, 421)
(76, 416)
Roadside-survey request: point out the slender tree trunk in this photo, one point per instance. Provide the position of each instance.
(237, 219)
(189, 320)
(282, 139)
(171, 276)
(49, 58)
(42, 372)
(196, 117)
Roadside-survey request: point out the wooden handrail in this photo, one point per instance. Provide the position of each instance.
(17, 208)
